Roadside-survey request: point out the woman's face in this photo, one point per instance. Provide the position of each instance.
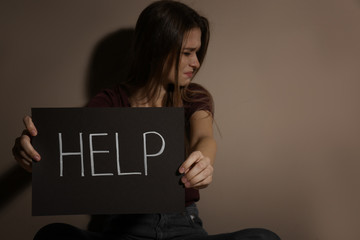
(189, 62)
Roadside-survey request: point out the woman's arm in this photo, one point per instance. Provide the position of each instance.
(198, 167)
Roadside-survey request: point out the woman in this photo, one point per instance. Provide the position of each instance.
(170, 45)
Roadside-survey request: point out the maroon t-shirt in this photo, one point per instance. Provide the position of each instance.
(118, 97)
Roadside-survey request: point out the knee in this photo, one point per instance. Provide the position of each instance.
(268, 235)
(54, 231)
(257, 233)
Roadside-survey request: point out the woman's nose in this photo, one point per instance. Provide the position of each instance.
(195, 62)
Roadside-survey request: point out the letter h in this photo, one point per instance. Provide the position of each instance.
(62, 154)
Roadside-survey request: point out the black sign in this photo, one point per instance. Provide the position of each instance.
(108, 160)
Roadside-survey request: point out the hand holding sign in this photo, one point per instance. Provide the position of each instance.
(197, 170)
(23, 151)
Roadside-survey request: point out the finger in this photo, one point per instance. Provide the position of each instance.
(199, 182)
(30, 126)
(26, 146)
(198, 168)
(21, 157)
(24, 163)
(25, 157)
(203, 184)
(196, 176)
(189, 162)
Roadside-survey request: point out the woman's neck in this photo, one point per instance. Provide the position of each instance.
(139, 99)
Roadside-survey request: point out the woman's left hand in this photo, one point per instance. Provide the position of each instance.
(197, 170)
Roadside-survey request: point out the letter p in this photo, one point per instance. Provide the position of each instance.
(146, 155)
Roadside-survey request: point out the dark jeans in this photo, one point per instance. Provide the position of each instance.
(186, 225)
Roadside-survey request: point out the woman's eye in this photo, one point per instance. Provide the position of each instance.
(186, 53)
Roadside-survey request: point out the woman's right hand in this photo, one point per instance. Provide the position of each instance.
(23, 150)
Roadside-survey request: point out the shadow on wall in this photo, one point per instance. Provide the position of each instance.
(110, 61)
(13, 182)
(108, 66)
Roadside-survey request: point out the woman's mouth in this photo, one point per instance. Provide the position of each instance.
(189, 74)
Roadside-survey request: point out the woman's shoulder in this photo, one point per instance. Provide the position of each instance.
(195, 91)
(197, 98)
(110, 97)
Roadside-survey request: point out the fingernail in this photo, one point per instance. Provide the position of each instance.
(37, 157)
(183, 179)
(182, 170)
(33, 133)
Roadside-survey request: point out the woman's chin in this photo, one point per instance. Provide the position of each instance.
(185, 82)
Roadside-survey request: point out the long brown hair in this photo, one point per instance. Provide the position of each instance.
(159, 34)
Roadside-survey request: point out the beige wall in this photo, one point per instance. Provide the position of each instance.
(285, 78)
